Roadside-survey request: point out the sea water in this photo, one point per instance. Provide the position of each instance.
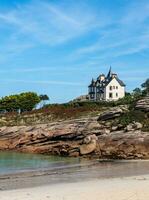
(13, 162)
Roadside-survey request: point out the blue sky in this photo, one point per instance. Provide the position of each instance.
(55, 47)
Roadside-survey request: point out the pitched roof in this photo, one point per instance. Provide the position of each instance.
(118, 80)
(107, 80)
(93, 83)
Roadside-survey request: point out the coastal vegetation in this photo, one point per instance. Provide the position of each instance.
(101, 129)
(32, 108)
(137, 115)
(23, 102)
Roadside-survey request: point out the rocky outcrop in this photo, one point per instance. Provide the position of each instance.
(143, 104)
(79, 137)
(89, 146)
(125, 145)
(134, 126)
(113, 113)
(61, 138)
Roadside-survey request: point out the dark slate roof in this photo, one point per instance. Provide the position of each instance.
(109, 73)
(93, 83)
(90, 85)
(118, 80)
(107, 80)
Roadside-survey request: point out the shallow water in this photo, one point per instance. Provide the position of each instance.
(12, 162)
(42, 169)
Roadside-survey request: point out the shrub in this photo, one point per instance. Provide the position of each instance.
(133, 115)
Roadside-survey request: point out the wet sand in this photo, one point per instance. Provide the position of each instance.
(132, 188)
(122, 180)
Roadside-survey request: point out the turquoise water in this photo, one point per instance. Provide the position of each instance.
(12, 162)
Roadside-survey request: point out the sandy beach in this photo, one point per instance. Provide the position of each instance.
(119, 180)
(129, 188)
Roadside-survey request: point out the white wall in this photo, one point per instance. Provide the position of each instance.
(120, 91)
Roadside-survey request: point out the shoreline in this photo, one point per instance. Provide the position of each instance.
(88, 171)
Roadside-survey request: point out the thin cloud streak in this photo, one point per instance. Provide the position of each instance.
(51, 24)
(43, 69)
(124, 38)
(43, 82)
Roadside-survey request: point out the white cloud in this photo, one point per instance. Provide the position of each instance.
(57, 69)
(127, 34)
(47, 23)
(136, 13)
(53, 24)
(39, 82)
(41, 22)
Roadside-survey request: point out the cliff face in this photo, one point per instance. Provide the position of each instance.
(143, 104)
(91, 136)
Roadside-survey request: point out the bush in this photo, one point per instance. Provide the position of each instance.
(133, 115)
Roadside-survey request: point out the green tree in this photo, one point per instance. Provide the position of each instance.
(137, 92)
(127, 94)
(19, 102)
(145, 86)
(9, 103)
(43, 98)
(28, 101)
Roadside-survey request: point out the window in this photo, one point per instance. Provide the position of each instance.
(92, 96)
(110, 95)
(113, 87)
(116, 87)
(110, 87)
(116, 94)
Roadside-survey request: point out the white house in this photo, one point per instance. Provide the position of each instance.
(106, 88)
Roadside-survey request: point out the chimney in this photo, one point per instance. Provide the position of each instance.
(114, 75)
(102, 77)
